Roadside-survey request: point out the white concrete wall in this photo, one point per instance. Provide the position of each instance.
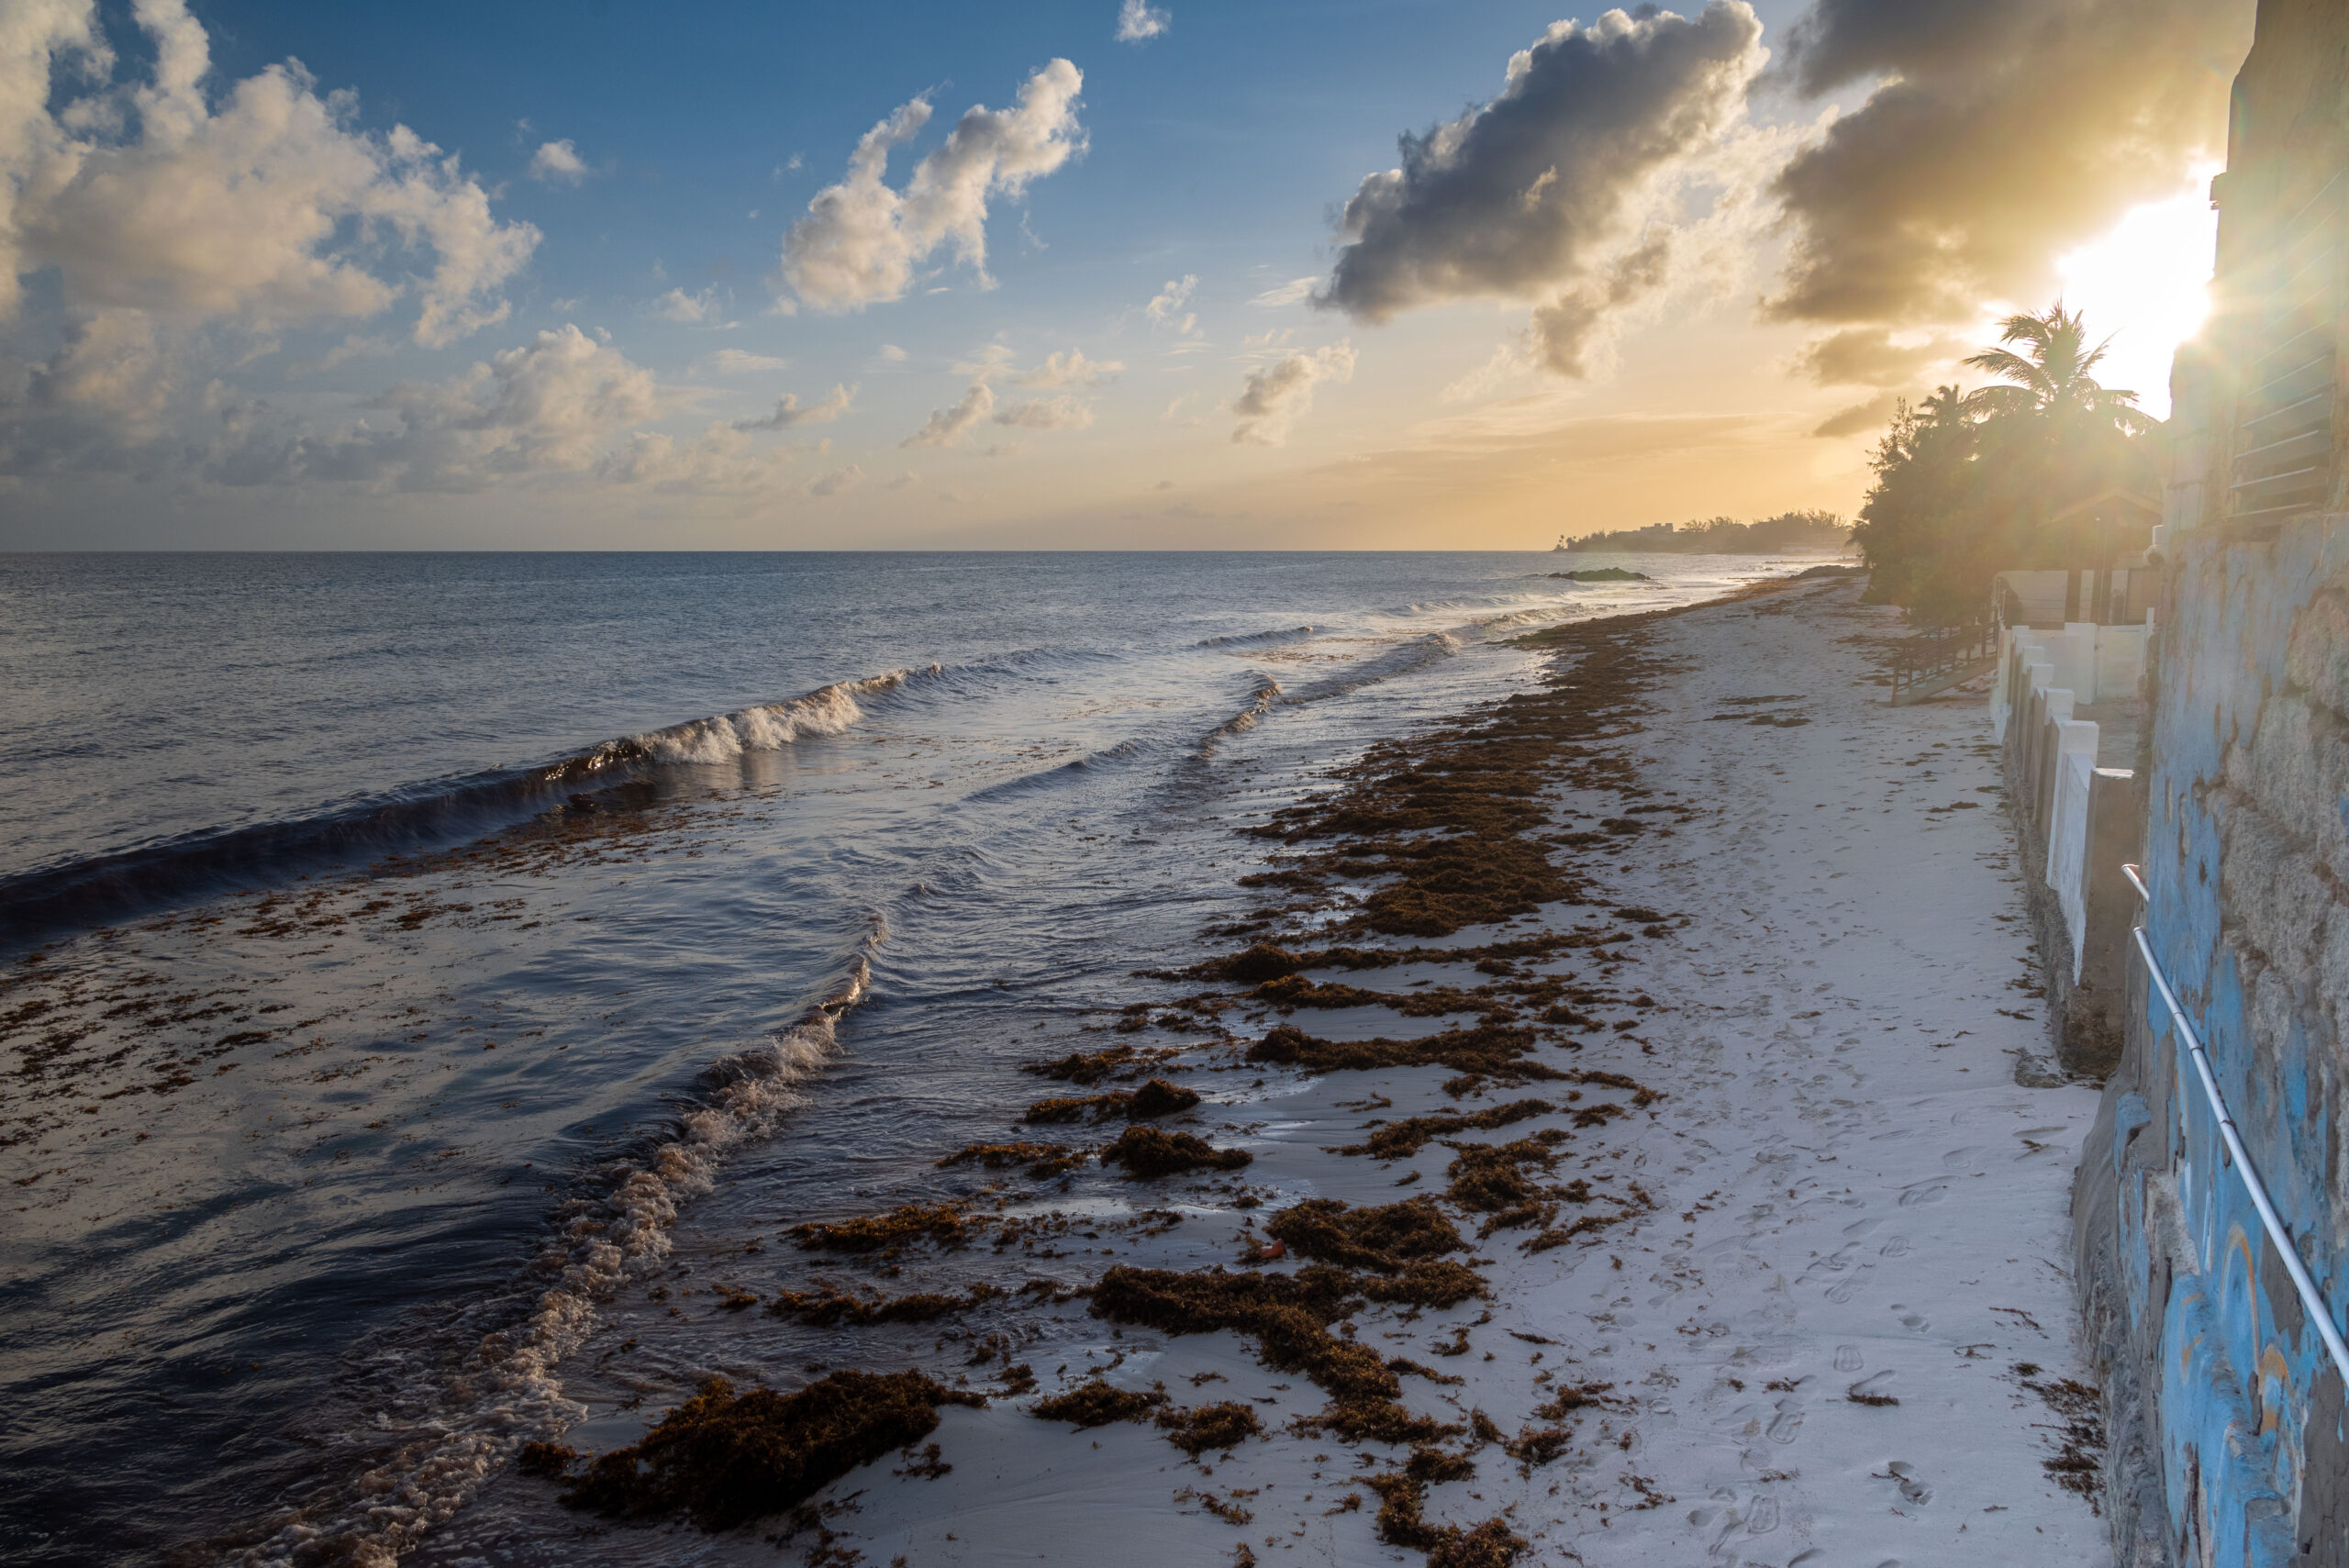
(2067, 831)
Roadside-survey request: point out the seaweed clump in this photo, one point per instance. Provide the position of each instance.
(1451, 819)
(1289, 1317)
(1225, 1424)
(888, 1233)
(1044, 1160)
(1401, 1521)
(1157, 1098)
(1148, 1152)
(1085, 1067)
(1096, 1404)
(1401, 1139)
(544, 1459)
(723, 1459)
(1490, 1179)
(1489, 1050)
(1388, 1239)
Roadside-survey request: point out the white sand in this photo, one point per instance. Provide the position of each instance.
(1852, 1194)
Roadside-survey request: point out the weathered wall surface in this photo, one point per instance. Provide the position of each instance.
(2225, 1411)
(2227, 1420)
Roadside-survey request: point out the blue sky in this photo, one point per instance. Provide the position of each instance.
(602, 361)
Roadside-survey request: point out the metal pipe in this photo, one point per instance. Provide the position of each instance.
(2311, 1299)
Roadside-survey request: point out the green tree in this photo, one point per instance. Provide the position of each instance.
(2052, 382)
(1966, 482)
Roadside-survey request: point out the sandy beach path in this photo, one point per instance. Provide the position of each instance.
(1856, 1201)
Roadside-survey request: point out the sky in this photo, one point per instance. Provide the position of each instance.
(1075, 273)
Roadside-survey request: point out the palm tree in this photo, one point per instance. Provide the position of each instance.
(2052, 380)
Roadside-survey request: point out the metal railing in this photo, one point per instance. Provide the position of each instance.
(1925, 660)
(2311, 1298)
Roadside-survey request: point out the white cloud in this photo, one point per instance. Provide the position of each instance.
(269, 210)
(1070, 369)
(1542, 190)
(948, 426)
(1274, 398)
(838, 481)
(992, 360)
(735, 361)
(1289, 293)
(558, 162)
(1508, 363)
(1165, 307)
(892, 354)
(538, 411)
(1062, 412)
(861, 240)
(719, 460)
(788, 413)
(1138, 21)
(679, 306)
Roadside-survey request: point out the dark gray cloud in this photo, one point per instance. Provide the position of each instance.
(2001, 134)
(1873, 414)
(1866, 356)
(1529, 192)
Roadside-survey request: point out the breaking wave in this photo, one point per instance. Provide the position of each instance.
(1258, 639)
(769, 726)
(93, 892)
(1268, 692)
(1400, 660)
(429, 1460)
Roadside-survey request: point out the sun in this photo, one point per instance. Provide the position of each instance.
(2145, 284)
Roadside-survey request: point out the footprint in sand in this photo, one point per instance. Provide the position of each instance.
(1896, 1248)
(1763, 1517)
(1847, 1358)
(1924, 1193)
(1911, 1485)
(1788, 1424)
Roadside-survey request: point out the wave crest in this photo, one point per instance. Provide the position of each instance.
(508, 1391)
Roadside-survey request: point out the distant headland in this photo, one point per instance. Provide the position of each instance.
(1721, 536)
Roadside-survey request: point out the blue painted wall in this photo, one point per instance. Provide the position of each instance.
(2247, 859)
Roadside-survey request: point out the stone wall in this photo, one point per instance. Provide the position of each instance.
(2226, 1411)
(2224, 1408)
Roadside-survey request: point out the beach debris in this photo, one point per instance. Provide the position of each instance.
(723, 1459)
(1490, 1179)
(1401, 1139)
(1225, 1425)
(1086, 1068)
(1157, 1098)
(1488, 1050)
(1148, 1152)
(1388, 1239)
(1098, 1403)
(889, 1233)
(1044, 1160)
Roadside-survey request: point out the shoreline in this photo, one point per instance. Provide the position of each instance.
(1528, 1397)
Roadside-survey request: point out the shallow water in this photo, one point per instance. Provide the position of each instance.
(472, 919)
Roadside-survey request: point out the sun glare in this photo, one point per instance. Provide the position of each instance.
(2145, 284)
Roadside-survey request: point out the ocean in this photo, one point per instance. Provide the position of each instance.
(400, 952)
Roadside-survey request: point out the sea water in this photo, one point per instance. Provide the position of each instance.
(400, 949)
